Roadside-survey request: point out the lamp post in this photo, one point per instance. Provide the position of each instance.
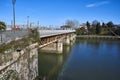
(28, 21)
(13, 2)
(38, 24)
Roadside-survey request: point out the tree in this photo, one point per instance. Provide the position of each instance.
(2, 25)
(110, 24)
(98, 28)
(94, 23)
(80, 31)
(72, 23)
(88, 26)
(103, 25)
(93, 30)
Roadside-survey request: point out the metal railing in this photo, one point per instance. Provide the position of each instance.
(10, 35)
(46, 33)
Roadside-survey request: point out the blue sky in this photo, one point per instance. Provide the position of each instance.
(55, 12)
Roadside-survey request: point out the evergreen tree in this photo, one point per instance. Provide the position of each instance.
(98, 28)
(2, 25)
(93, 30)
(110, 24)
(103, 25)
(88, 26)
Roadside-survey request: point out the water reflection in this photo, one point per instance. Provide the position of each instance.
(50, 65)
(25, 66)
(93, 60)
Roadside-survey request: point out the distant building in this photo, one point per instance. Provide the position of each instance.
(84, 25)
(117, 26)
(16, 28)
(66, 27)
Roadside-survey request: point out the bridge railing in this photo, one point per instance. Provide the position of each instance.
(45, 33)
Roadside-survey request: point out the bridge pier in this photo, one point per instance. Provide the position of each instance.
(54, 43)
(72, 37)
(59, 46)
(56, 47)
(67, 40)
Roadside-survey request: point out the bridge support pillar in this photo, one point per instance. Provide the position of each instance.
(56, 47)
(59, 46)
(67, 40)
(72, 37)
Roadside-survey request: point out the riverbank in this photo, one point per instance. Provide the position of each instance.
(98, 37)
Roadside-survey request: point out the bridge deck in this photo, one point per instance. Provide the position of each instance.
(47, 33)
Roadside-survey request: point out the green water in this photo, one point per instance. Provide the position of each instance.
(84, 60)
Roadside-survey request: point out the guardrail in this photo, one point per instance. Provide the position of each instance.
(46, 33)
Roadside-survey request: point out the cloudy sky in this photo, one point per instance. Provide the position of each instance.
(55, 12)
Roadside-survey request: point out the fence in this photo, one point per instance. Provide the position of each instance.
(10, 35)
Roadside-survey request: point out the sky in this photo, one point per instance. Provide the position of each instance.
(56, 12)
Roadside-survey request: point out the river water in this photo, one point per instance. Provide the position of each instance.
(82, 60)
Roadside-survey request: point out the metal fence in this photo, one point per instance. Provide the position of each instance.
(10, 35)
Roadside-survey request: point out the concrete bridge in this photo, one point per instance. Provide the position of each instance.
(57, 38)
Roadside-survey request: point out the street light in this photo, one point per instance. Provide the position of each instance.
(28, 21)
(38, 24)
(13, 2)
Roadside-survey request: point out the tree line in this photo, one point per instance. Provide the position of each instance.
(97, 28)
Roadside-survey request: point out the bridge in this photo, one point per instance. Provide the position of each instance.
(56, 37)
(10, 35)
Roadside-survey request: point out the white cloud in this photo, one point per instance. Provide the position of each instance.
(97, 4)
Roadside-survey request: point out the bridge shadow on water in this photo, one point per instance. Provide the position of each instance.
(51, 64)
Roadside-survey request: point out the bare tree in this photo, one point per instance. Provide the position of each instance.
(72, 23)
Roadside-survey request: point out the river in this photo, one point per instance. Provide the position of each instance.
(82, 60)
(85, 60)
